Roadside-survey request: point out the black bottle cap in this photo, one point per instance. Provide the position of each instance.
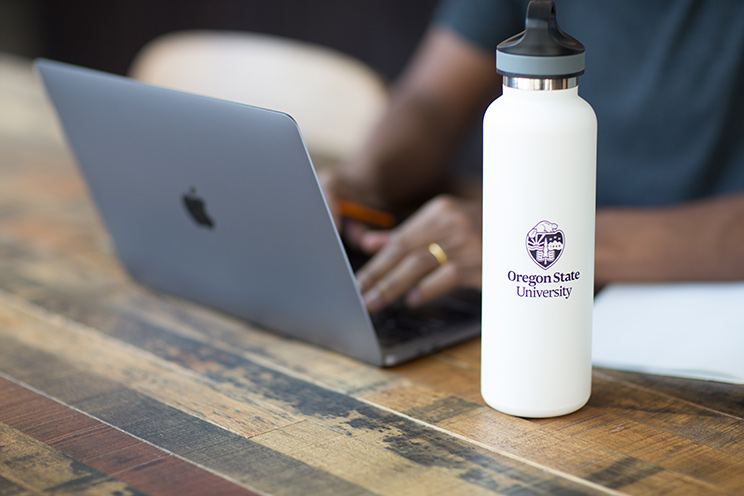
(542, 50)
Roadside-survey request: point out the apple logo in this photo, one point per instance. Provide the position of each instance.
(197, 209)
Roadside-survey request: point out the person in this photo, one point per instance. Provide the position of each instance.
(665, 81)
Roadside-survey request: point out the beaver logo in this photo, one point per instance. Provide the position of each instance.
(545, 244)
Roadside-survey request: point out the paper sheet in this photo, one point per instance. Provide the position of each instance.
(683, 330)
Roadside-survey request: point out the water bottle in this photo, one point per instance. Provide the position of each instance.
(539, 190)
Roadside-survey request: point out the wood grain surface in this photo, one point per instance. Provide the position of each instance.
(107, 387)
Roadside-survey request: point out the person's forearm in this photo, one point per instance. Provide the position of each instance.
(406, 159)
(697, 241)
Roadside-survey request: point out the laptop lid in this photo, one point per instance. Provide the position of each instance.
(213, 201)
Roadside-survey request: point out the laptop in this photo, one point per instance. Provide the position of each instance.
(218, 202)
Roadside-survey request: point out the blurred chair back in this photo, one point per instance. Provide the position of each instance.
(335, 98)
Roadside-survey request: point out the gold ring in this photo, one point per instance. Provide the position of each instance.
(438, 253)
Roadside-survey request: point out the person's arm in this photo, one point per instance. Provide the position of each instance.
(696, 241)
(407, 158)
(701, 240)
(447, 84)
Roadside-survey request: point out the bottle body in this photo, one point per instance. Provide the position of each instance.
(539, 190)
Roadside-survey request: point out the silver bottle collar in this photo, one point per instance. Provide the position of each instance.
(547, 84)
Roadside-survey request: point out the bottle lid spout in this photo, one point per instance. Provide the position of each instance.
(543, 49)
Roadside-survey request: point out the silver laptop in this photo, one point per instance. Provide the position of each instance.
(218, 202)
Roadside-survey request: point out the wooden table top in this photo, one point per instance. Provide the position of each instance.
(109, 388)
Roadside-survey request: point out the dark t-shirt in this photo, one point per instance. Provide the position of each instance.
(666, 79)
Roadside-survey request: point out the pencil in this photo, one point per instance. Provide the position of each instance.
(363, 213)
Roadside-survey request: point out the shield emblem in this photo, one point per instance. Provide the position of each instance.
(545, 244)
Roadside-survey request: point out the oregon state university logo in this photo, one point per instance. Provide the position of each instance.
(545, 244)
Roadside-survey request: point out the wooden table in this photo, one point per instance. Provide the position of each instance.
(109, 388)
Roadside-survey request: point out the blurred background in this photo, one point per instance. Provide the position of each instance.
(107, 34)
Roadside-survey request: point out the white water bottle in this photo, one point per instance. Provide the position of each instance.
(539, 183)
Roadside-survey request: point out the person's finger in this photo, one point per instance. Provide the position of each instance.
(461, 268)
(399, 279)
(373, 241)
(383, 261)
(354, 233)
(393, 246)
(443, 280)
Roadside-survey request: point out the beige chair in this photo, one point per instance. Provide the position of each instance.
(335, 99)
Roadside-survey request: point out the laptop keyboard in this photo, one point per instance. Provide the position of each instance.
(399, 323)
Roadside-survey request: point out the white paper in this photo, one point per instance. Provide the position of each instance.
(684, 330)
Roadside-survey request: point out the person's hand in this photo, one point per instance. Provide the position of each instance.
(435, 251)
(334, 190)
